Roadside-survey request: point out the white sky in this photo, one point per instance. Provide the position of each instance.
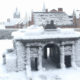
(7, 7)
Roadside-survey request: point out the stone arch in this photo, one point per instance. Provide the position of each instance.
(52, 51)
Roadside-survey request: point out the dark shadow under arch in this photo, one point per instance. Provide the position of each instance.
(53, 55)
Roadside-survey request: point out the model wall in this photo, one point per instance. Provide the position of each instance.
(77, 53)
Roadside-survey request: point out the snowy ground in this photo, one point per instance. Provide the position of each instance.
(4, 75)
(51, 74)
(65, 74)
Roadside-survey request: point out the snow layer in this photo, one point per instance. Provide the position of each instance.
(38, 32)
(5, 44)
(57, 74)
(11, 62)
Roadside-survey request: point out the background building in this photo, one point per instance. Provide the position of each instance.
(16, 22)
(76, 18)
(60, 18)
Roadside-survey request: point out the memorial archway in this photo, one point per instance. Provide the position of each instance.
(51, 55)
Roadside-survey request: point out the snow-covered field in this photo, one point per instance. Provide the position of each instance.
(4, 75)
(4, 44)
(57, 74)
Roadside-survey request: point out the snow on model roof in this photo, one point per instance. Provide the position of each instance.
(38, 32)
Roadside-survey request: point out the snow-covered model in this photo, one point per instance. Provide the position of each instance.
(37, 47)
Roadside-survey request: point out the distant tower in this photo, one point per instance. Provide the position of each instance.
(74, 18)
(44, 8)
(16, 14)
(74, 13)
(26, 20)
(32, 17)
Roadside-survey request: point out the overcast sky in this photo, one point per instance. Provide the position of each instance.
(7, 7)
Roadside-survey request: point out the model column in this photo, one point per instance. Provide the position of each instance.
(28, 62)
(40, 58)
(73, 56)
(62, 61)
(19, 48)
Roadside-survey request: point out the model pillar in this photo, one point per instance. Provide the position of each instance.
(62, 61)
(73, 56)
(28, 61)
(40, 59)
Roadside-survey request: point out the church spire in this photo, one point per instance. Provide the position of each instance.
(74, 13)
(44, 9)
(16, 14)
(26, 20)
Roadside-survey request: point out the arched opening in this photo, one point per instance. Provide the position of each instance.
(51, 56)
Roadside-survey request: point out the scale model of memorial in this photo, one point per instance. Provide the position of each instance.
(35, 46)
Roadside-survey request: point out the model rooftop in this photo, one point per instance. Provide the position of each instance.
(38, 32)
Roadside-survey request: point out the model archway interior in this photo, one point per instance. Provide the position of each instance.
(51, 54)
